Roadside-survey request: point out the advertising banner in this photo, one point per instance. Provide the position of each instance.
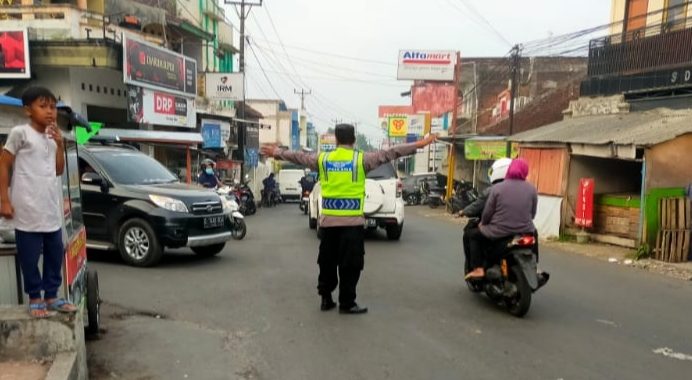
(161, 108)
(14, 54)
(251, 157)
(252, 136)
(211, 134)
(416, 125)
(488, 149)
(327, 142)
(224, 86)
(584, 211)
(433, 65)
(295, 131)
(154, 67)
(398, 126)
(436, 98)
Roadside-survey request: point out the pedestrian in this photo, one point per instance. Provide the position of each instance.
(35, 154)
(342, 175)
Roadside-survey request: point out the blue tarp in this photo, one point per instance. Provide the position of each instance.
(10, 101)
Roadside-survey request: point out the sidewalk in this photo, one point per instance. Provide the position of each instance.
(608, 253)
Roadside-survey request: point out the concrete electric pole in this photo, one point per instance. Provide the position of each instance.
(302, 94)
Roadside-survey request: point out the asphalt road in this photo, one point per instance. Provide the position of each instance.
(253, 313)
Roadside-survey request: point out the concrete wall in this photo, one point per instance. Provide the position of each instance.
(103, 92)
(669, 164)
(57, 80)
(617, 15)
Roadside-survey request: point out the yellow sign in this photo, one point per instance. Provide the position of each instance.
(398, 126)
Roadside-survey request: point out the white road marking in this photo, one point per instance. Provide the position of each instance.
(667, 352)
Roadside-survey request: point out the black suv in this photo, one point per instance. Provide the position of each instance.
(134, 204)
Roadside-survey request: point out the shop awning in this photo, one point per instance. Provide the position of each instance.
(10, 101)
(161, 137)
(637, 129)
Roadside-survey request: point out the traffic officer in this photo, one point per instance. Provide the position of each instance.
(342, 177)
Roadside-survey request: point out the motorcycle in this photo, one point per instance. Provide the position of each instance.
(304, 201)
(433, 196)
(238, 226)
(245, 199)
(513, 277)
(464, 195)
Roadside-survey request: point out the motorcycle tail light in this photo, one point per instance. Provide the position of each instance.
(526, 241)
(503, 267)
(399, 188)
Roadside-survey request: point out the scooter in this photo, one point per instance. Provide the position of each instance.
(238, 226)
(513, 277)
(304, 201)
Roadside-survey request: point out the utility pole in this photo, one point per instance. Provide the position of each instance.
(302, 94)
(514, 70)
(243, 15)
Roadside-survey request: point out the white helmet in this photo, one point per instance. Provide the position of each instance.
(499, 169)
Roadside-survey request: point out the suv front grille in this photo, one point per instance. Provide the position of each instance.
(204, 208)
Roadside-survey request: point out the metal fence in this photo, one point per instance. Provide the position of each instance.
(657, 47)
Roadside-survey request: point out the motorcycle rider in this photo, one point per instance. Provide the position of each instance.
(269, 188)
(307, 183)
(207, 177)
(497, 174)
(509, 210)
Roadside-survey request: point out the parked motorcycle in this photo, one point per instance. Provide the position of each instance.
(238, 226)
(433, 196)
(464, 195)
(246, 199)
(513, 277)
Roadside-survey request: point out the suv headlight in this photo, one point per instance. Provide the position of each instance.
(167, 203)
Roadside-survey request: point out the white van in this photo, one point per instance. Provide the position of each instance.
(289, 183)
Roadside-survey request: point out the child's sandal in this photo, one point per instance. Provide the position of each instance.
(38, 310)
(62, 306)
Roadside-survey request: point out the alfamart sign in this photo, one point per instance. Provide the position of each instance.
(432, 65)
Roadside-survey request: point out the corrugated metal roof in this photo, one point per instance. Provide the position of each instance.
(636, 128)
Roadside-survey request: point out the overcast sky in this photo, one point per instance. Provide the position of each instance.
(371, 32)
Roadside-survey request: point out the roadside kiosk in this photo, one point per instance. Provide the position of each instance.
(80, 285)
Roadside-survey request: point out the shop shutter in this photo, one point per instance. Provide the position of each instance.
(546, 169)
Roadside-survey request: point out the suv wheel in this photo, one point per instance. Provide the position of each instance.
(394, 232)
(138, 244)
(209, 250)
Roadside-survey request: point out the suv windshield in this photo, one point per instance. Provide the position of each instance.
(120, 166)
(385, 171)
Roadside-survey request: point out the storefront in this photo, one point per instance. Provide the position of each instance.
(634, 159)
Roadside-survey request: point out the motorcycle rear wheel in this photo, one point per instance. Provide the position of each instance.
(519, 305)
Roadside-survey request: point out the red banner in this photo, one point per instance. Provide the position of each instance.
(435, 98)
(584, 212)
(75, 255)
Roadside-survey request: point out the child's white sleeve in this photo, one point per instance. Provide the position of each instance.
(15, 140)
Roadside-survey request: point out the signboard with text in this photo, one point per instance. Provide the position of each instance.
(584, 211)
(480, 150)
(432, 65)
(327, 142)
(14, 54)
(224, 86)
(154, 67)
(161, 108)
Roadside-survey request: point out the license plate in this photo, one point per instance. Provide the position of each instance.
(371, 223)
(213, 221)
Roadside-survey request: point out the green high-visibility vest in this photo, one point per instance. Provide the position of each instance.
(342, 179)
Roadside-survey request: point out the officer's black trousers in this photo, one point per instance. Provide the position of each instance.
(341, 259)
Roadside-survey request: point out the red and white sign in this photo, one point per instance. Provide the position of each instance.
(436, 98)
(584, 212)
(14, 54)
(432, 65)
(160, 108)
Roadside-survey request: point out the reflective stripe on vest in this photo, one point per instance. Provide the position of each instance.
(342, 178)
